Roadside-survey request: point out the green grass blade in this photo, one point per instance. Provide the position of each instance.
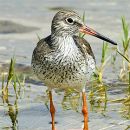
(11, 71)
(123, 56)
(125, 28)
(83, 17)
(104, 51)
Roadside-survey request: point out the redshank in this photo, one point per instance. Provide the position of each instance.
(65, 60)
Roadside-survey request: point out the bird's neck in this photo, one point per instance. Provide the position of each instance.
(65, 44)
(62, 41)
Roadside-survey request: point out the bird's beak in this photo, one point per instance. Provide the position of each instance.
(87, 30)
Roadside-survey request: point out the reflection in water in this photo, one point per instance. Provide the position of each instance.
(126, 107)
(12, 111)
(98, 100)
(12, 81)
(128, 127)
(71, 101)
(98, 97)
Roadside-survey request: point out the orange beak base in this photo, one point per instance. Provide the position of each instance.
(87, 30)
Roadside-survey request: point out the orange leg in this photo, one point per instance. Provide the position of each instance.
(52, 111)
(85, 111)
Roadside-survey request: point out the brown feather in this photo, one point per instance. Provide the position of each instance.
(84, 45)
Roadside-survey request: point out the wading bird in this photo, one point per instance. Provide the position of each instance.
(65, 60)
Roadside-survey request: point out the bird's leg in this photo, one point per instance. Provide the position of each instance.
(52, 110)
(85, 111)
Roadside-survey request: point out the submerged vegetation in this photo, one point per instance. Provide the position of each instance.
(11, 79)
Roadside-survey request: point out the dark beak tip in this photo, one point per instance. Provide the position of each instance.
(115, 44)
(87, 30)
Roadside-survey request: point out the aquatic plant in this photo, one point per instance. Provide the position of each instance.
(12, 78)
(104, 61)
(126, 102)
(98, 93)
(13, 113)
(126, 49)
(71, 100)
(125, 69)
(9, 78)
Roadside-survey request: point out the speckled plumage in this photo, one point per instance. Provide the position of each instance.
(63, 60)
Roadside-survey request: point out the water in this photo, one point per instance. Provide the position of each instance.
(30, 110)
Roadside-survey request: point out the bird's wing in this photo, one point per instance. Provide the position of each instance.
(84, 45)
(43, 47)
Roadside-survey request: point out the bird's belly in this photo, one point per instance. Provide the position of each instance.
(64, 73)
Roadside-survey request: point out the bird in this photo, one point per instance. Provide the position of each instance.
(64, 59)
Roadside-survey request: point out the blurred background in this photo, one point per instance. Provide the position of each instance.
(22, 23)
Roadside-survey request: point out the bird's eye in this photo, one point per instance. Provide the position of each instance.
(70, 20)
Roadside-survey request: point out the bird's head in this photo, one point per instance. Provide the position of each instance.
(67, 22)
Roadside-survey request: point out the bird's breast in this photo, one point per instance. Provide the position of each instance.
(64, 67)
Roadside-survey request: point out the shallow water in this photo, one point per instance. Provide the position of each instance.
(30, 110)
